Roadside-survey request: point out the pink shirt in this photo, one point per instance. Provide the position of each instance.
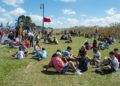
(57, 63)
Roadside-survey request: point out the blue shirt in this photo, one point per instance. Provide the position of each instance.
(43, 53)
(65, 53)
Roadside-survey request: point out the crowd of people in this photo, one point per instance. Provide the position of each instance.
(63, 60)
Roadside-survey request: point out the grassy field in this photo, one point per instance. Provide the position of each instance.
(28, 72)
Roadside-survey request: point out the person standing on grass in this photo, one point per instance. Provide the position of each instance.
(37, 38)
(94, 44)
(31, 39)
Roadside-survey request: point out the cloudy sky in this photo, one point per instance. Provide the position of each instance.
(63, 13)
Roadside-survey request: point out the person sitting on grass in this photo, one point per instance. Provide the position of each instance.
(82, 61)
(66, 54)
(24, 48)
(109, 65)
(87, 45)
(42, 54)
(100, 46)
(106, 45)
(20, 54)
(117, 55)
(69, 40)
(60, 66)
(81, 51)
(55, 40)
(36, 49)
(96, 57)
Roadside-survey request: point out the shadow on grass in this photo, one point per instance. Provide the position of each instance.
(101, 73)
(54, 73)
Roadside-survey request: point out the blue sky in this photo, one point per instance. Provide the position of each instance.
(63, 13)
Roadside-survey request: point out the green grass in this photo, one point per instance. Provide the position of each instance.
(27, 72)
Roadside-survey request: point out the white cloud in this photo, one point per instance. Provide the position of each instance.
(13, 2)
(69, 12)
(12, 15)
(37, 19)
(68, 1)
(111, 11)
(17, 12)
(83, 15)
(2, 10)
(112, 16)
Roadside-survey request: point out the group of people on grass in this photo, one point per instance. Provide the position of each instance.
(63, 61)
(38, 52)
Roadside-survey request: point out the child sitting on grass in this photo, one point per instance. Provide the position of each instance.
(24, 49)
(42, 54)
(66, 54)
(20, 54)
(96, 57)
(36, 48)
(55, 40)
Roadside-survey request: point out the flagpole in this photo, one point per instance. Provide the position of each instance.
(43, 21)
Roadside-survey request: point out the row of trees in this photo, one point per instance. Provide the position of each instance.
(113, 30)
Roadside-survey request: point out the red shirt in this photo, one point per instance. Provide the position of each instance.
(118, 57)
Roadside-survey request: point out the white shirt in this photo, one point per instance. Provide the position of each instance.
(115, 63)
(97, 55)
(20, 54)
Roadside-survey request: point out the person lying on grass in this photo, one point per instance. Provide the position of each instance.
(117, 55)
(96, 57)
(42, 54)
(60, 66)
(109, 65)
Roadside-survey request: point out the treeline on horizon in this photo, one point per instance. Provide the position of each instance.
(112, 30)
